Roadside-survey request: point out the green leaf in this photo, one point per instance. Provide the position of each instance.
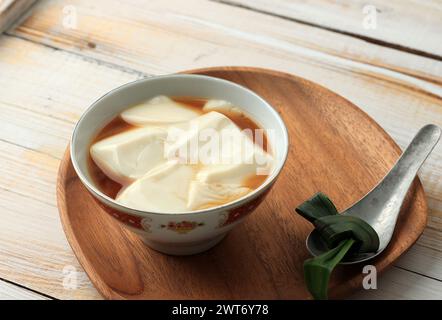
(317, 207)
(334, 229)
(340, 233)
(317, 270)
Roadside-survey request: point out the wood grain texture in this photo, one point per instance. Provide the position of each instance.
(425, 257)
(159, 31)
(11, 10)
(9, 291)
(407, 24)
(399, 284)
(335, 148)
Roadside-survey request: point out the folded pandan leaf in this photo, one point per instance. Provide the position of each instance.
(341, 234)
(317, 270)
(317, 207)
(334, 229)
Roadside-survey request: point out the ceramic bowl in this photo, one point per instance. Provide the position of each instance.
(187, 232)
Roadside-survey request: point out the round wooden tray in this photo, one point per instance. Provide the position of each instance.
(334, 148)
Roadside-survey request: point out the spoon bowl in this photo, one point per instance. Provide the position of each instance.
(381, 206)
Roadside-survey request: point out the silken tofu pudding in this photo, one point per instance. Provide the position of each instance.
(178, 170)
(180, 154)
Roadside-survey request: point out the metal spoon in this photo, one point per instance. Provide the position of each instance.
(381, 206)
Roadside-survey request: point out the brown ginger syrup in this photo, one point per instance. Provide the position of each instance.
(111, 188)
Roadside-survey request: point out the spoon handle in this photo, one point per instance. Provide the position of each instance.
(387, 197)
(399, 179)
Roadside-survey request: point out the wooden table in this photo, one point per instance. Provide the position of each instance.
(61, 55)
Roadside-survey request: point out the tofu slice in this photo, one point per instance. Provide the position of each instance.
(159, 110)
(163, 189)
(220, 106)
(130, 155)
(194, 141)
(204, 195)
(240, 159)
(260, 163)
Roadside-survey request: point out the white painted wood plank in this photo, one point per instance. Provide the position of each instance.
(11, 10)
(413, 24)
(397, 284)
(425, 257)
(149, 33)
(9, 291)
(35, 252)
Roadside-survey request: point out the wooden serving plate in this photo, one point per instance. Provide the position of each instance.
(334, 147)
